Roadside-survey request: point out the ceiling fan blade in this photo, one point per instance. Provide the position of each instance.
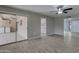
(67, 9)
(65, 12)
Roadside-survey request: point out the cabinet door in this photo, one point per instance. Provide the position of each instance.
(7, 38)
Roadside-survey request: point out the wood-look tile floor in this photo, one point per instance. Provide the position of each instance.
(51, 44)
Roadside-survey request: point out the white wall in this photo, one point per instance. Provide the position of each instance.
(50, 26)
(59, 26)
(33, 20)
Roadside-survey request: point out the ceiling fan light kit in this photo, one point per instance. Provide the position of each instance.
(60, 11)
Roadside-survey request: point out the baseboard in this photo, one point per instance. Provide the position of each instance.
(56, 35)
(37, 37)
(59, 34)
(49, 34)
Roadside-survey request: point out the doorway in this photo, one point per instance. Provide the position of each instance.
(43, 27)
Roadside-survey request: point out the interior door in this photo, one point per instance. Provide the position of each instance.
(43, 26)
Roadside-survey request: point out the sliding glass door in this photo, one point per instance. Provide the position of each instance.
(71, 35)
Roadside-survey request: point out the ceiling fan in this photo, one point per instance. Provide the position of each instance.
(61, 9)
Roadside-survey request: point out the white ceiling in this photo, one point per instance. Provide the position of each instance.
(44, 9)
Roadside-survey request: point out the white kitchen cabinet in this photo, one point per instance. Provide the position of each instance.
(7, 29)
(7, 38)
(6, 23)
(1, 29)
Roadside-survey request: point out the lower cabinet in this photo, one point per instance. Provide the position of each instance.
(7, 38)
